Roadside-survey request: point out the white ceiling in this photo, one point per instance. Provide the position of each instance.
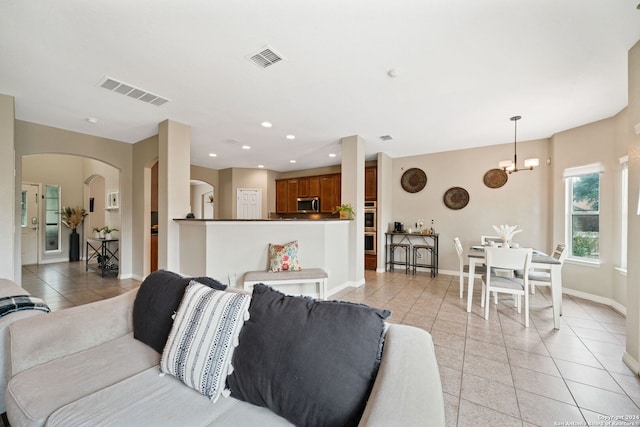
(464, 67)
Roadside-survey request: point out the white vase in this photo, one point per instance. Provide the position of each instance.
(102, 234)
(505, 243)
(107, 236)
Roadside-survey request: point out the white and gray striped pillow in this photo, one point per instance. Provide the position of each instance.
(204, 334)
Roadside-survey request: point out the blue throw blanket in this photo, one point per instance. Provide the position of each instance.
(13, 304)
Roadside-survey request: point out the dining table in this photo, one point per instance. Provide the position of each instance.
(539, 261)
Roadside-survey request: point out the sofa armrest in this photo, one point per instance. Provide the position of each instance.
(39, 339)
(407, 390)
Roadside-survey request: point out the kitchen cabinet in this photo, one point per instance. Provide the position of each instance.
(314, 186)
(292, 195)
(303, 187)
(370, 183)
(282, 193)
(370, 262)
(288, 191)
(330, 189)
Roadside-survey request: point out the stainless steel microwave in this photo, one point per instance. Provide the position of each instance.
(308, 204)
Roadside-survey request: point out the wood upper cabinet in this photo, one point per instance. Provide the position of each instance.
(370, 183)
(303, 187)
(292, 195)
(330, 192)
(314, 186)
(282, 193)
(327, 187)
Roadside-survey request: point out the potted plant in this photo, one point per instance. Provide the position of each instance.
(346, 211)
(96, 232)
(107, 231)
(72, 218)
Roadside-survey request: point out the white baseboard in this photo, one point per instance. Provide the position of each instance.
(344, 286)
(631, 362)
(126, 276)
(137, 277)
(596, 298)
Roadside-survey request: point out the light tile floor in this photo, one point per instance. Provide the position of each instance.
(494, 372)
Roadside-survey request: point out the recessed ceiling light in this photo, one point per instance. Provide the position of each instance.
(292, 161)
(266, 124)
(332, 154)
(213, 155)
(261, 166)
(246, 147)
(92, 120)
(291, 137)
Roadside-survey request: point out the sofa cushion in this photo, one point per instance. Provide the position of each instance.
(147, 399)
(34, 394)
(157, 300)
(312, 362)
(284, 257)
(203, 337)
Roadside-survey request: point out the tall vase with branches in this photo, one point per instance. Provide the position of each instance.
(72, 218)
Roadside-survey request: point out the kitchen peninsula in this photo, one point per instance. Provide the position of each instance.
(226, 249)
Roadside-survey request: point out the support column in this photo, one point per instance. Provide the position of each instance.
(10, 267)
(632, 351)
(352, 188)
(174, 163)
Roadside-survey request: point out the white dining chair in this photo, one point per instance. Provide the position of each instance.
(464, 268)
(509, 259)
(543, 277)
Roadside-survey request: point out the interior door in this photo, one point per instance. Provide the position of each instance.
(30, 220)
(249, 204)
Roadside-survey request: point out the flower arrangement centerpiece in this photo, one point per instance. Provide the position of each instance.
(72, 217)
(506, 232)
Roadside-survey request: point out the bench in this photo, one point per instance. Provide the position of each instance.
(275, 278)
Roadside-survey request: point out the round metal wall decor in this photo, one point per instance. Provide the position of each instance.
(456, 198)
(495, 178)
(413, 180)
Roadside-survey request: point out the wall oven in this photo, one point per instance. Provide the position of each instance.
(370, 216)
(370, 243)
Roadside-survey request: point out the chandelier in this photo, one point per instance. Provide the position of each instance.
(512, 166)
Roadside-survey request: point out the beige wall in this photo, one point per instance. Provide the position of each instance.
(523, 200)
(145, 155)
(31, 138)
(71, 173)
(10, 254)
(580, 146)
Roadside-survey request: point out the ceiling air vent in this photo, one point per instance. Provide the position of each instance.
(265, 57)
(132, 91)
(386, 137)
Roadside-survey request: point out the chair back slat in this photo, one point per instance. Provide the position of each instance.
(509, 258)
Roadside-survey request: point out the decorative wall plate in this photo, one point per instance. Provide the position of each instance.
(495, 178)
(413, 180)
(456, 198)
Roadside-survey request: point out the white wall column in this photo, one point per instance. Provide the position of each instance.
(352, 187)
(174, 158)
(10, 267)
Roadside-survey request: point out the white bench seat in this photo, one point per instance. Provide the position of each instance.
(275, 278)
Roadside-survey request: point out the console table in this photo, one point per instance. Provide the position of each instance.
(105, 251)
(411, 239)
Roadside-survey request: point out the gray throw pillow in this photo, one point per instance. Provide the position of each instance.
(311, 362)
(157, 300)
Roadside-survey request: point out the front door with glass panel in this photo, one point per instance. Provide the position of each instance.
(29, 223)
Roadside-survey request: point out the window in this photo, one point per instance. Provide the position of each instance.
(583, 212)
(52, 218)
(624, 206)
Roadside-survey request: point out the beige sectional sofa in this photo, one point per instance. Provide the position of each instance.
(83, 366)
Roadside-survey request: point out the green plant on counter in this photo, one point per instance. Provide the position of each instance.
(346, 211)
(106, 229)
